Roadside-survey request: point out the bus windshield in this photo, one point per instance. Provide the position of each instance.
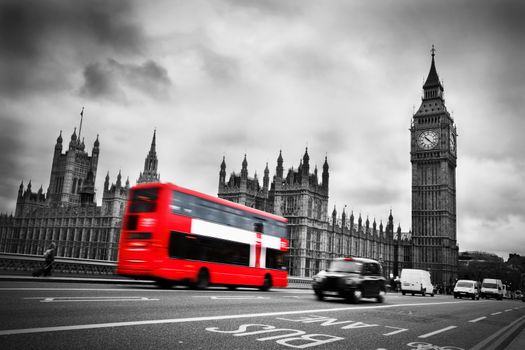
(143, 200)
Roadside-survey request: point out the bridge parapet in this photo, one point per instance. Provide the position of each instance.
(25, 263)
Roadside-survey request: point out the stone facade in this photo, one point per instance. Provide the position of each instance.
(433, 156)
(67, 214)
(315, 239)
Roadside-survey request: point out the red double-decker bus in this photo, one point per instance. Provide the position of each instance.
(174, 235)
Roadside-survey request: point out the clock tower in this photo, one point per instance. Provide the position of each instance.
(433, 155)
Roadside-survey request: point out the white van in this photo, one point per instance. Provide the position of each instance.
(492, 288)
(416, 281)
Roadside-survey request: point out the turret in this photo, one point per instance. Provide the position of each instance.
(306, 164)
(106, 183)
(266, 178)
(222, 172)
(58, 145)
(325, 174)
(119, 180)
(244, 170)
(73, 142)
(96, 147)
(279, 169)
(334, 217)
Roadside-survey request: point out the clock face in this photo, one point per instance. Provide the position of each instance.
(452, 140)
(428, 139)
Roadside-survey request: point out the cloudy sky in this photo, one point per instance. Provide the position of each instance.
(228, 78)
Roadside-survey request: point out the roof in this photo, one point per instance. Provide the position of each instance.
(214, 199)
(433, 78)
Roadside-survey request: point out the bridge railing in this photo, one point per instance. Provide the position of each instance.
(26, 263)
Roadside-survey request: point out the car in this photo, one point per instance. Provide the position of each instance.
(352, 279)
(466, 288)
(518, 294)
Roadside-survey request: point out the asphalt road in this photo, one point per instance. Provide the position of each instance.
(111, 316)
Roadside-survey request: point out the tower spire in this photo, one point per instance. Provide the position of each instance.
(81, 117)
(150, 163)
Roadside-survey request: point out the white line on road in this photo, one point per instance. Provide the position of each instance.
(206, 318)
(478, 319)
(508, 310)
(437, 332)
(231, 297)
(495, 313)
(78, 299)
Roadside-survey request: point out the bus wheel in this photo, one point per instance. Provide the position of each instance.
(164, 284)
(232, 287)
(267, 284)
(203, 279)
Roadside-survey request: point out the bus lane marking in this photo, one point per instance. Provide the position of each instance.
(348, 324)
(210, 318)
(437, 332)
(292, 338)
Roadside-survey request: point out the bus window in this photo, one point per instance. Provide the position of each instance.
(143, 200)
(276, 259)
(194, 247)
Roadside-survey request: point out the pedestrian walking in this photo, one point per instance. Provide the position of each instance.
(49, 259)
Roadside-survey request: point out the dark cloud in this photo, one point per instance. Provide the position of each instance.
(110, 80)
(273, 7)
(37, 38)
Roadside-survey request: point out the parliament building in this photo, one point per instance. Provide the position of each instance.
(316, 237)
(67, 213)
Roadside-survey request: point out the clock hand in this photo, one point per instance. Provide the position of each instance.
(426, 138)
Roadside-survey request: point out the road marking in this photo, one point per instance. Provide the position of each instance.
(437, 332)
(508, 310)
(399, 330)
(478, 319)
(79, 299)
(496, 313)
(231, 297)
(207, 318)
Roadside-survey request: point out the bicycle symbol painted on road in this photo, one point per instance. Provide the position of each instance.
(428, 346)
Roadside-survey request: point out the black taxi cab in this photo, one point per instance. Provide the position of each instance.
(351, 279)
